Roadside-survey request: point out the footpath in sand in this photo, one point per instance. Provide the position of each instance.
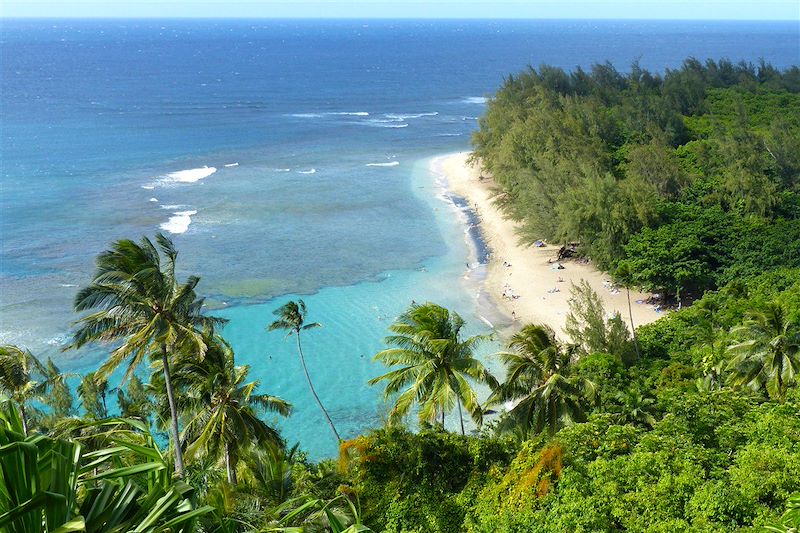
(522, 279)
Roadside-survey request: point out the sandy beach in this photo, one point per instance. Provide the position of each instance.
(522, 279)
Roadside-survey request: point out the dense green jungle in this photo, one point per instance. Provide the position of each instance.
(685, 184)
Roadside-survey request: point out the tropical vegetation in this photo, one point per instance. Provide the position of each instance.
(684, 182)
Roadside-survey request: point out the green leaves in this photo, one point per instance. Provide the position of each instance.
(331, 515)
(435, 362)
(768, 356)
(137, 299)
(50, 485)
(790, 521)
(140, 303)
(291, 317)
(540, 385)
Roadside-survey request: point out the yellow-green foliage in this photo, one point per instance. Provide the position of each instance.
(528, 479)
(350, 450)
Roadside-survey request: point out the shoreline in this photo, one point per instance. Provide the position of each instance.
(521, 280)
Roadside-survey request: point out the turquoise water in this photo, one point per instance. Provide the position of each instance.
(285, 158)
(354, 318)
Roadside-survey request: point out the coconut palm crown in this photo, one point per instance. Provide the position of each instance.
(292, 319)
(135, 299)
(539, 385)
(768, 358)
(435, 365)
(22, 378)
(221, 408)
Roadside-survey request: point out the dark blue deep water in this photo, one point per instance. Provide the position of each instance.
(108, 127)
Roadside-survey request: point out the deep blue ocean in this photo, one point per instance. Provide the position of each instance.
(285, 158)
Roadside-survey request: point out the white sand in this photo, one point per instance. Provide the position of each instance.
(530, 277)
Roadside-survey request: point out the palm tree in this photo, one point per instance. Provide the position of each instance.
(136, 298)
(769, 357)
(540, 384)
(135, 401)
(18, 370)
(270, 471)
(92, 392)
(434, 365)
(291, 318)
(635, 408)
(221, 409)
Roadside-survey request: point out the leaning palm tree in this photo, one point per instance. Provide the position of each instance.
(136, 298)
(435, 363)
(540, 383)
(769, 356)
(19, 370)
(292, 318)
(220, 407)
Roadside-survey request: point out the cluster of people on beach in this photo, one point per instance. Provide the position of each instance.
(610, 287)
(508, 292)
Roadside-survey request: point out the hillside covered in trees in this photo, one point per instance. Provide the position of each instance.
(685, 182)
(688, 180)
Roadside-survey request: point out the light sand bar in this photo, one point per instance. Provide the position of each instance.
(531, 276)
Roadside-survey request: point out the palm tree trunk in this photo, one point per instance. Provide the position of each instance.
(633, 327)
(311, 386)
(460, 416)
(24, 418)
(442, 419)
(229, 465)
(173, 412)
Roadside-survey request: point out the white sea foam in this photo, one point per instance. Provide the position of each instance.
(474, 100)
(309, 171)
(389, 164)
(232, 165)
(470, 118)
(178, 222)
(399, 116)
(191, 175)
(154, 199)
(148, 187)
(59, 340)
(332, 113)
(283, 170)
(173, 207)
(449, 134)
(67, 285)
